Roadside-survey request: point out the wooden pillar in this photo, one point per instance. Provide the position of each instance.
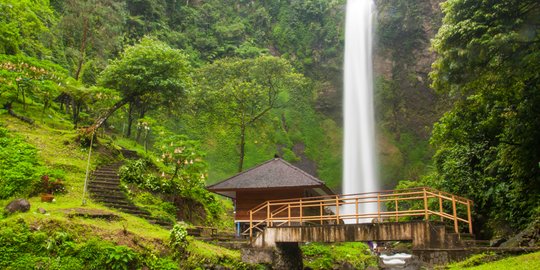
(440, 206)
(250, 225)
(426, 215)
(301, 208)
(268, 220)
(337, 209)
(455, 214)
(469, 217)
(321, 211)
(397, 209)
(379, 207)
(356, 206)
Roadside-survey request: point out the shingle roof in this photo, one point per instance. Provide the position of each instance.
(275, 173)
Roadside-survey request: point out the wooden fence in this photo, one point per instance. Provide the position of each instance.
(383, 206)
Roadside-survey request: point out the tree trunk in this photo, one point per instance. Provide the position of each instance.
(141, 115)
(82, 49)
(129, 120)
(100, 120)
(242, 147)
(9, 107)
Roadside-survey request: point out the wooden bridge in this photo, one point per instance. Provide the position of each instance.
(420, 215)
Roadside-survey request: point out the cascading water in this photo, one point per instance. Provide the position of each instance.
(359, 162)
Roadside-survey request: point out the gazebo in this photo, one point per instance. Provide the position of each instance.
(275, 179)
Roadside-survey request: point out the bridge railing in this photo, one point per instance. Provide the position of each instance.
(383, 206)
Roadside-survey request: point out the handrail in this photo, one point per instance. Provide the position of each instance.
(313, 209)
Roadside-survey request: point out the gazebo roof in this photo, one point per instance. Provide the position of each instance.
(275, 173)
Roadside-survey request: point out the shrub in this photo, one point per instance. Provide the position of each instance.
(121, 257)
(178, 237)
(19, 166)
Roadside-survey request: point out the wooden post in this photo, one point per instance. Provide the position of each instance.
(469, 218)
(397, 209)
(455, 214)
(337, 210)
(321, 212)
(250, 225)
(356, 206)
(268, 220)
(426, 215)
(379, 207)
(289, 213)
(301, 207)
(440, 206)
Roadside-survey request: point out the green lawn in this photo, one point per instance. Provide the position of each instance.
(522, 262)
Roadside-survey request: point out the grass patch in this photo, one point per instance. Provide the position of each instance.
(485, 262)
(336, 256)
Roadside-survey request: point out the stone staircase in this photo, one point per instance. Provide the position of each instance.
(104, 187)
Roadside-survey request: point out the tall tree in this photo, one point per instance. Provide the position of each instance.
(150, 68)
(91, 29)
(487, 145)
(240, 92)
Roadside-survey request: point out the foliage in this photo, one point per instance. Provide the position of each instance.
(330, 256)
(486, 146)
(150, 68)
(178, 238)
(90, 29)
(22, 247)
(20, 167)
(185, 162)
(28, 77)
(121, 257)
(24, 27)
(240, 92)
(485, 262)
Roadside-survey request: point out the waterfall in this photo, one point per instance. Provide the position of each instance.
(359, 161)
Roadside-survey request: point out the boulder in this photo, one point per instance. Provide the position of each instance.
(18, 205)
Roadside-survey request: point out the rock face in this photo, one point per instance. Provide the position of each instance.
(18, 205)
(530, 237)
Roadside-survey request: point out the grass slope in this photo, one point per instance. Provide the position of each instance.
(529, 261)
(57, 149)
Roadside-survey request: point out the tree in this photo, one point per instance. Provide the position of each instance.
(24, 27)
(146, 69)
(185, 160)
(487, 145)
(90, 29)
(241, 92)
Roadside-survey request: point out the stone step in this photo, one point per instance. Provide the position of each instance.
(110, 196)
(104, 188)
(104, 182)
(105, 174)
